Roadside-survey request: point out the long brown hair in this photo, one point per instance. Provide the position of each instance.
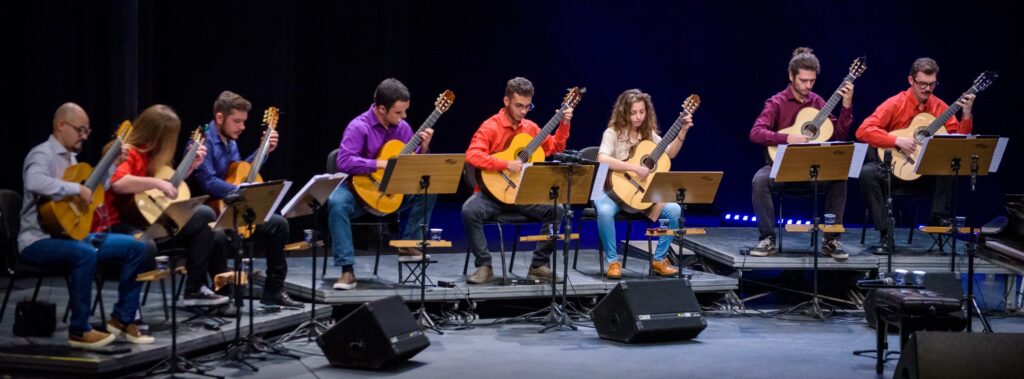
(155, 133)
(620, 114)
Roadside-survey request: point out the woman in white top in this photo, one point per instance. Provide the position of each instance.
(632, 121)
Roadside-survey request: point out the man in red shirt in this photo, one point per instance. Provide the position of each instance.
(493, 136)
(896, 113)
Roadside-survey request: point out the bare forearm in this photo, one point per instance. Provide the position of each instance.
(614, 164)
(130, 184)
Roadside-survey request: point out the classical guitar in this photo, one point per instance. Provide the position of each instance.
(245, 172)
(504, 185)
(71, 216)
(367, 187)
(628, 189)
(925, 125)
(815, 123)
(151, 203)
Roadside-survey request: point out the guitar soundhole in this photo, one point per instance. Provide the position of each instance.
(810, 130)
(648, 162)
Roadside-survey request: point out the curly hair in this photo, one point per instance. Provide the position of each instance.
(620, 114)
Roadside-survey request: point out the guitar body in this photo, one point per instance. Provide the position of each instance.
(151, 203)
(804, 125)
(504, 185)
(902, 167)
(237, 172)
(367, 187)
(71, 217)
(626, 188)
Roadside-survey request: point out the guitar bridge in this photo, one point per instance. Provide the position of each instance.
(639, 188)
(507, 179)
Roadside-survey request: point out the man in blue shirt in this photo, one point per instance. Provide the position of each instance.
(230, 111)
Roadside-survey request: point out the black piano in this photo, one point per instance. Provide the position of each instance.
(1002, 239)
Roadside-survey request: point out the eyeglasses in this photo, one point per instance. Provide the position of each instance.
(529, 107)
(925, 85)
(83, 130)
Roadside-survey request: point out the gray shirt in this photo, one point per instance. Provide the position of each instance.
(44, 166)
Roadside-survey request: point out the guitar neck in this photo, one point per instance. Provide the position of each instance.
(259, 157)
(543, 134)
(669, 136)
(949, 112)
(415, 141)
(831, 103)
(102, 169)
(186, 162)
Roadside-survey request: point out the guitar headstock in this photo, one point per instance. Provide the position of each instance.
(574, 96)
(691, 103)
(270, 117)
(199, 135)
(123, 130)
(858, 67)
(984, 80)
(444, 101)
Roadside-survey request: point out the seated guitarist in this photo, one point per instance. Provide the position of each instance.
(896, 113)
(153, 140)
(230, 111)
(44, 167)
(357, 155)
(779, 112)
(493, 136)
(632, 121)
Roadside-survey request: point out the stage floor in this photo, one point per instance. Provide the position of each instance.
(729, 246)
(586, 281)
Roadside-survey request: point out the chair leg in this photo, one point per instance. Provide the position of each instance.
(380, 241)
(145, 294)
(576, 255)
(465, 265)
(864, 226)
(7, 296)
(650, 256)
(515, 245)
(782, 223)
(625, 248)
(501, 248)
(323, 268)
(913, 224)
(163, 299)
(99, 300)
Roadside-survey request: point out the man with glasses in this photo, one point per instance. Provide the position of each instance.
(493, 136)
(42, 173)
(896, 113)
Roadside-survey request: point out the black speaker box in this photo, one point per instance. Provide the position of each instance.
(377, 334)
(944, 283)
(956, 355)
(648, 311)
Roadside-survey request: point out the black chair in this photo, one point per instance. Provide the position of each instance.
(380, 222)
(590, 214)
(902, 195)
(500, 220)
(791, 191)
(10, 213)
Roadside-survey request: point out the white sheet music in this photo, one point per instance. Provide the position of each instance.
(997, 156)
(781, 152)
(599, 178)
(859, 151)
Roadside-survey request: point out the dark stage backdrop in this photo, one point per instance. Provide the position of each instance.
(319, 61)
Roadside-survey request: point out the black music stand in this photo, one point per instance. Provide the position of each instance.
(540, 184)
(943, 155)
(682, 188)
(423, 174)
(311, 200)
(815, 162)
(254, 203)
(168, 224)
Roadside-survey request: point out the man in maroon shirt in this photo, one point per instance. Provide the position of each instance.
(780, 112)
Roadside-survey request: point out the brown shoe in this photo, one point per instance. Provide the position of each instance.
(406, 254)
(614, 270)
(542, 273)
(91, 340)
(483, 274)
(346, 281)
(664, 268)
(130, 331)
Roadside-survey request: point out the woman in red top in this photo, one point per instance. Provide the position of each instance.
(153, 141)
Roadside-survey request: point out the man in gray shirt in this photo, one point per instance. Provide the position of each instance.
(42, 173)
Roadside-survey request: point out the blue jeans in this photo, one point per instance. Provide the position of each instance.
(342, 207)
(82, 257)
(606, 210)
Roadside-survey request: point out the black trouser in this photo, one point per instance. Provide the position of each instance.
(872, 185)
(198, 239)
(764, 209)
(269, 240)
(480, 207)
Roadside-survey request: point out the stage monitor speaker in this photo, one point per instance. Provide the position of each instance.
(377, 334)
(959, 355)
(649, 310)
(944, 283)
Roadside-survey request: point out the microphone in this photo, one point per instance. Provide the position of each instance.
(570, 156)
(876, 282)
(233, 198)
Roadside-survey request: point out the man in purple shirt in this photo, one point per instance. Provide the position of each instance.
(780, 112)
(357, 155)
(230, 111)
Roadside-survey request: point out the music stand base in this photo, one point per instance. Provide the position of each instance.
(425, 322)
(814, 308)
(179, 365)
